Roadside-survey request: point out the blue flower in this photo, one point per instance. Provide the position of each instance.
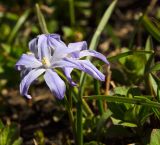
(48, 52)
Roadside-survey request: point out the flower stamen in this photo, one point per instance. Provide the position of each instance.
(46, 62)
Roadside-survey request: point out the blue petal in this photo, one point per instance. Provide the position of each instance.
(78, 46)
(52, 38)
(33, 47)
(83, 65)
(92, 70)
(55, 36)
(67, 72)
(90, 53)
(63, 51)
(67, 63)
(27, 61)
(28, 79)
(43, 48)
(55, 83)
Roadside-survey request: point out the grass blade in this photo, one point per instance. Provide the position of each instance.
(118, 56)
(41, 20)
(139, 100)
(152, 29)
(95, 38)
(18, 25)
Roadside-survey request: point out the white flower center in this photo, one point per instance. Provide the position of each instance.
(45, 62)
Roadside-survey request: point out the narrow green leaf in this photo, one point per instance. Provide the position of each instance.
(148, 46)
(125, 54)
(155, 137)
(72, 12)
(138, 100)
(152, 29)
(18, 25)
(145, 117)
(41, 20)
(156, 85)
(92, 46)
(101, 26)
(128, 124)
(97, 92)
(157, 112)
(156, 22)
(96, 36)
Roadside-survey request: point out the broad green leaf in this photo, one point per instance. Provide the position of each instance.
(121, 91)
(155, 137)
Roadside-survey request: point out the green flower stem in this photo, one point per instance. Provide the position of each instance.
(79, 134)
(138, 100)
(99, 102)
(72, 12)
(71, 117)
